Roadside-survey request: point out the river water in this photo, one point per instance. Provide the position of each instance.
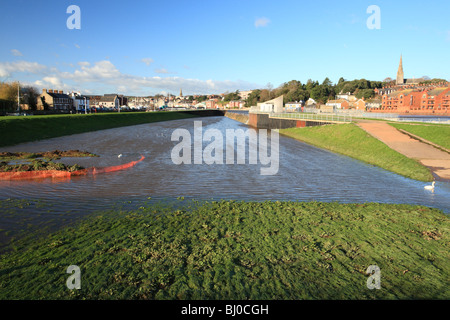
(305, 173)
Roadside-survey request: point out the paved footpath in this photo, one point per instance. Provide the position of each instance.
(438, 161)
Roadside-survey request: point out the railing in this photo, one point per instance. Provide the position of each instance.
(319, 117)
(437, 120)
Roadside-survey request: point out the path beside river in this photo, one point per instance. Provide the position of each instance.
(437, 160)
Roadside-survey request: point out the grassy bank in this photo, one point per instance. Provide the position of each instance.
(438, 134)
(352, 141)
(14, 130)
(239, 250)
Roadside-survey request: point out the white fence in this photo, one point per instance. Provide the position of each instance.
(322, 117)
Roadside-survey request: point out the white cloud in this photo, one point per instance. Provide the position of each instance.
(262, 22)
(7, 68)
(16, 53)
(162, 70)
(50, 82)
(147, 61)
(84, 64)
(99, 71)
(103, 77)
(77, 46)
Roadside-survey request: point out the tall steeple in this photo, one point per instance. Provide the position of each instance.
(400, 75)
(181, 93)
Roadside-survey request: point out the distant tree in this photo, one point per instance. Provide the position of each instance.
(8, 91)
(253, 98)
(311, 84)
(29, 96)
(435, 80)
(264, 95)
(365, 93)
(327, 82)
(232, 96)
(320, 93)
(45, 105)
(363, 84)
(269, 87)
(376, 84)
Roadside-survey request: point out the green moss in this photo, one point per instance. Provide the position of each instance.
(352, 141)
(238, 250)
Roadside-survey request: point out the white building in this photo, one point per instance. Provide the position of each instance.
(109, 101)
(244, 94)
(80, 102)
(346, 96)
(311, 102)
(293, 106)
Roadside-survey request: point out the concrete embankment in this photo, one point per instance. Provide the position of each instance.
(241, 117)
(264, 121)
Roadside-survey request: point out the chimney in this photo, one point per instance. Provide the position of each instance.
(50, 91)
(44, 90)
(60, 91)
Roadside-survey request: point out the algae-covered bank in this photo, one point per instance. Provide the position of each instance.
(237, 250)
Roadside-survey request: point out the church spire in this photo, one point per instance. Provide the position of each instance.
(400, 75)
(181, 93)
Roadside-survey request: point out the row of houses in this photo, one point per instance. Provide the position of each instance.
(75, 102)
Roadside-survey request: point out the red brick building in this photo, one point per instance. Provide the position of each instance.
(428, 100)
(212, 104)
(235, 104)
(358, 105)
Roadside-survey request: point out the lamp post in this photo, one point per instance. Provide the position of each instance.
(18, 97)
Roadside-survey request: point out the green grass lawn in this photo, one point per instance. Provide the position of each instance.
(238, 250)
(438, 134)
(14, 130)
(352, 141)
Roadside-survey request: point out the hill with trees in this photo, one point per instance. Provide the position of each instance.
(294, 90)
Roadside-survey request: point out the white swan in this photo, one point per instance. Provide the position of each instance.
(430, 187)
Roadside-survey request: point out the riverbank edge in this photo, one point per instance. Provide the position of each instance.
(288, 250)
(240, 117)
(320, 144)
(15, 130)
(425, 138)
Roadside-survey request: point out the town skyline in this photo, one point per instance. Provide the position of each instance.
(211, 48)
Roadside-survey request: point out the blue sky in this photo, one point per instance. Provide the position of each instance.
(148, 47)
